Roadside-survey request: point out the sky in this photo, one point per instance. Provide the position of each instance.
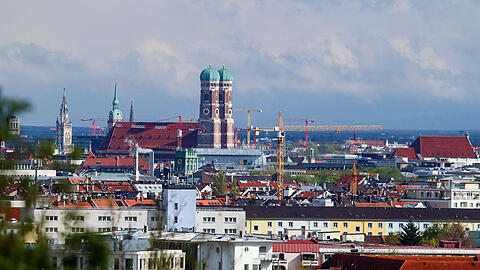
(403, 64)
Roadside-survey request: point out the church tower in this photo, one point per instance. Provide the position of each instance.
(131, 118)
(226, 112)
(209, 118)
(63, 138)
(115, 114)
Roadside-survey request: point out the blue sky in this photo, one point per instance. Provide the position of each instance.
(404, 64)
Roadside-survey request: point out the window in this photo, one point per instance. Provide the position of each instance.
(380, 233)
(370, 225)
(116, 264)
(425, 226)
(280, 224)
(208, 219)
(369, 233)
(176, 206)
(325, 224)
(51, 229)
(130, 218)
(78, 230)
(335, 224)
(357, 228)
(181, 262)
(207, 97)
(380, 225)
(315, 224)
(209, 230)
(269, 224)
(345, 224)
(175, 220)
(230, 220)
(230, 231)
(104, 218)
(255, 228)
(390, 225)
(100, 230)
(262, 249)
(290, 224)
(77, 218)
(245, 267)
(153, 219)
(51, 218)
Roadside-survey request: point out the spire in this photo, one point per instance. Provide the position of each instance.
(115, 97)
(131, 112)
(64, 109)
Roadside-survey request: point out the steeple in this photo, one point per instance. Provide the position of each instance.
(115, 114)
(63, 137)
(131, 119)
(115, 102)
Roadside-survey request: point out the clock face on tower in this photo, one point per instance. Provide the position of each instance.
(179, 162)
(206, 111)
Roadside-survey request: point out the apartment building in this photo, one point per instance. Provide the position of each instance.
(449, 192)
(220, 220)
(310, 221)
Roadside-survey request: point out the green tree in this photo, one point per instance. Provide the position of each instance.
(234, 190)
(219, 184)
(410, 236)
(455, 231)
(393, 239)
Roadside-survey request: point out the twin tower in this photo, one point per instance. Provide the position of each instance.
(216, 112)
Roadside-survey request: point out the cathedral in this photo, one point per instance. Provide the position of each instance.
(115, 114)
(216, 118)
(63, 138)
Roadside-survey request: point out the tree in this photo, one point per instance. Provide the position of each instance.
(234, 190)
(219, 184)
(455, 231)
(410, 236)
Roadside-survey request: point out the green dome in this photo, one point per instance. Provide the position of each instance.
(209, 74)
(225, 75)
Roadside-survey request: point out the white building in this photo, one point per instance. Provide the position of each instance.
(220, 220)
(57, 222)
(179, 202)
(229, 252)
(450, 192)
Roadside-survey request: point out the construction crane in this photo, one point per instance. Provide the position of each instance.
(306, 128)
(280, 152)
(94, 127)
(248, 121)
(281, 129)
(180, 129)
(353, 183)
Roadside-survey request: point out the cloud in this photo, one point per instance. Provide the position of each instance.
(426, 57)
(368, 52)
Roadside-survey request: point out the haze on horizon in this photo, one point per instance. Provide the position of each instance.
(404, 64)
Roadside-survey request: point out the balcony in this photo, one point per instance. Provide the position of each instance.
(309, 259)
(268, 256)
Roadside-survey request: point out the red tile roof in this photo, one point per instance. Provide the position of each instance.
(400, 262)
(407, 152)
(209, 203)
(105, 203)
(444, 147)
(151, 135)
(296, 246)
(113, 161)
(377, 204)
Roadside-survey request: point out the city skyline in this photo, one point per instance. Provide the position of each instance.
(405, 64)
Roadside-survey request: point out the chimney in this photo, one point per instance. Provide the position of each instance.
(116, 161)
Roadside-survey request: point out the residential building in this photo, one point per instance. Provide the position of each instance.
(179, 202)
(220, 220)
(449, 192)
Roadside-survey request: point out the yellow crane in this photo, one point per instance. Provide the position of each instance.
(280, 129)
(249, 111)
